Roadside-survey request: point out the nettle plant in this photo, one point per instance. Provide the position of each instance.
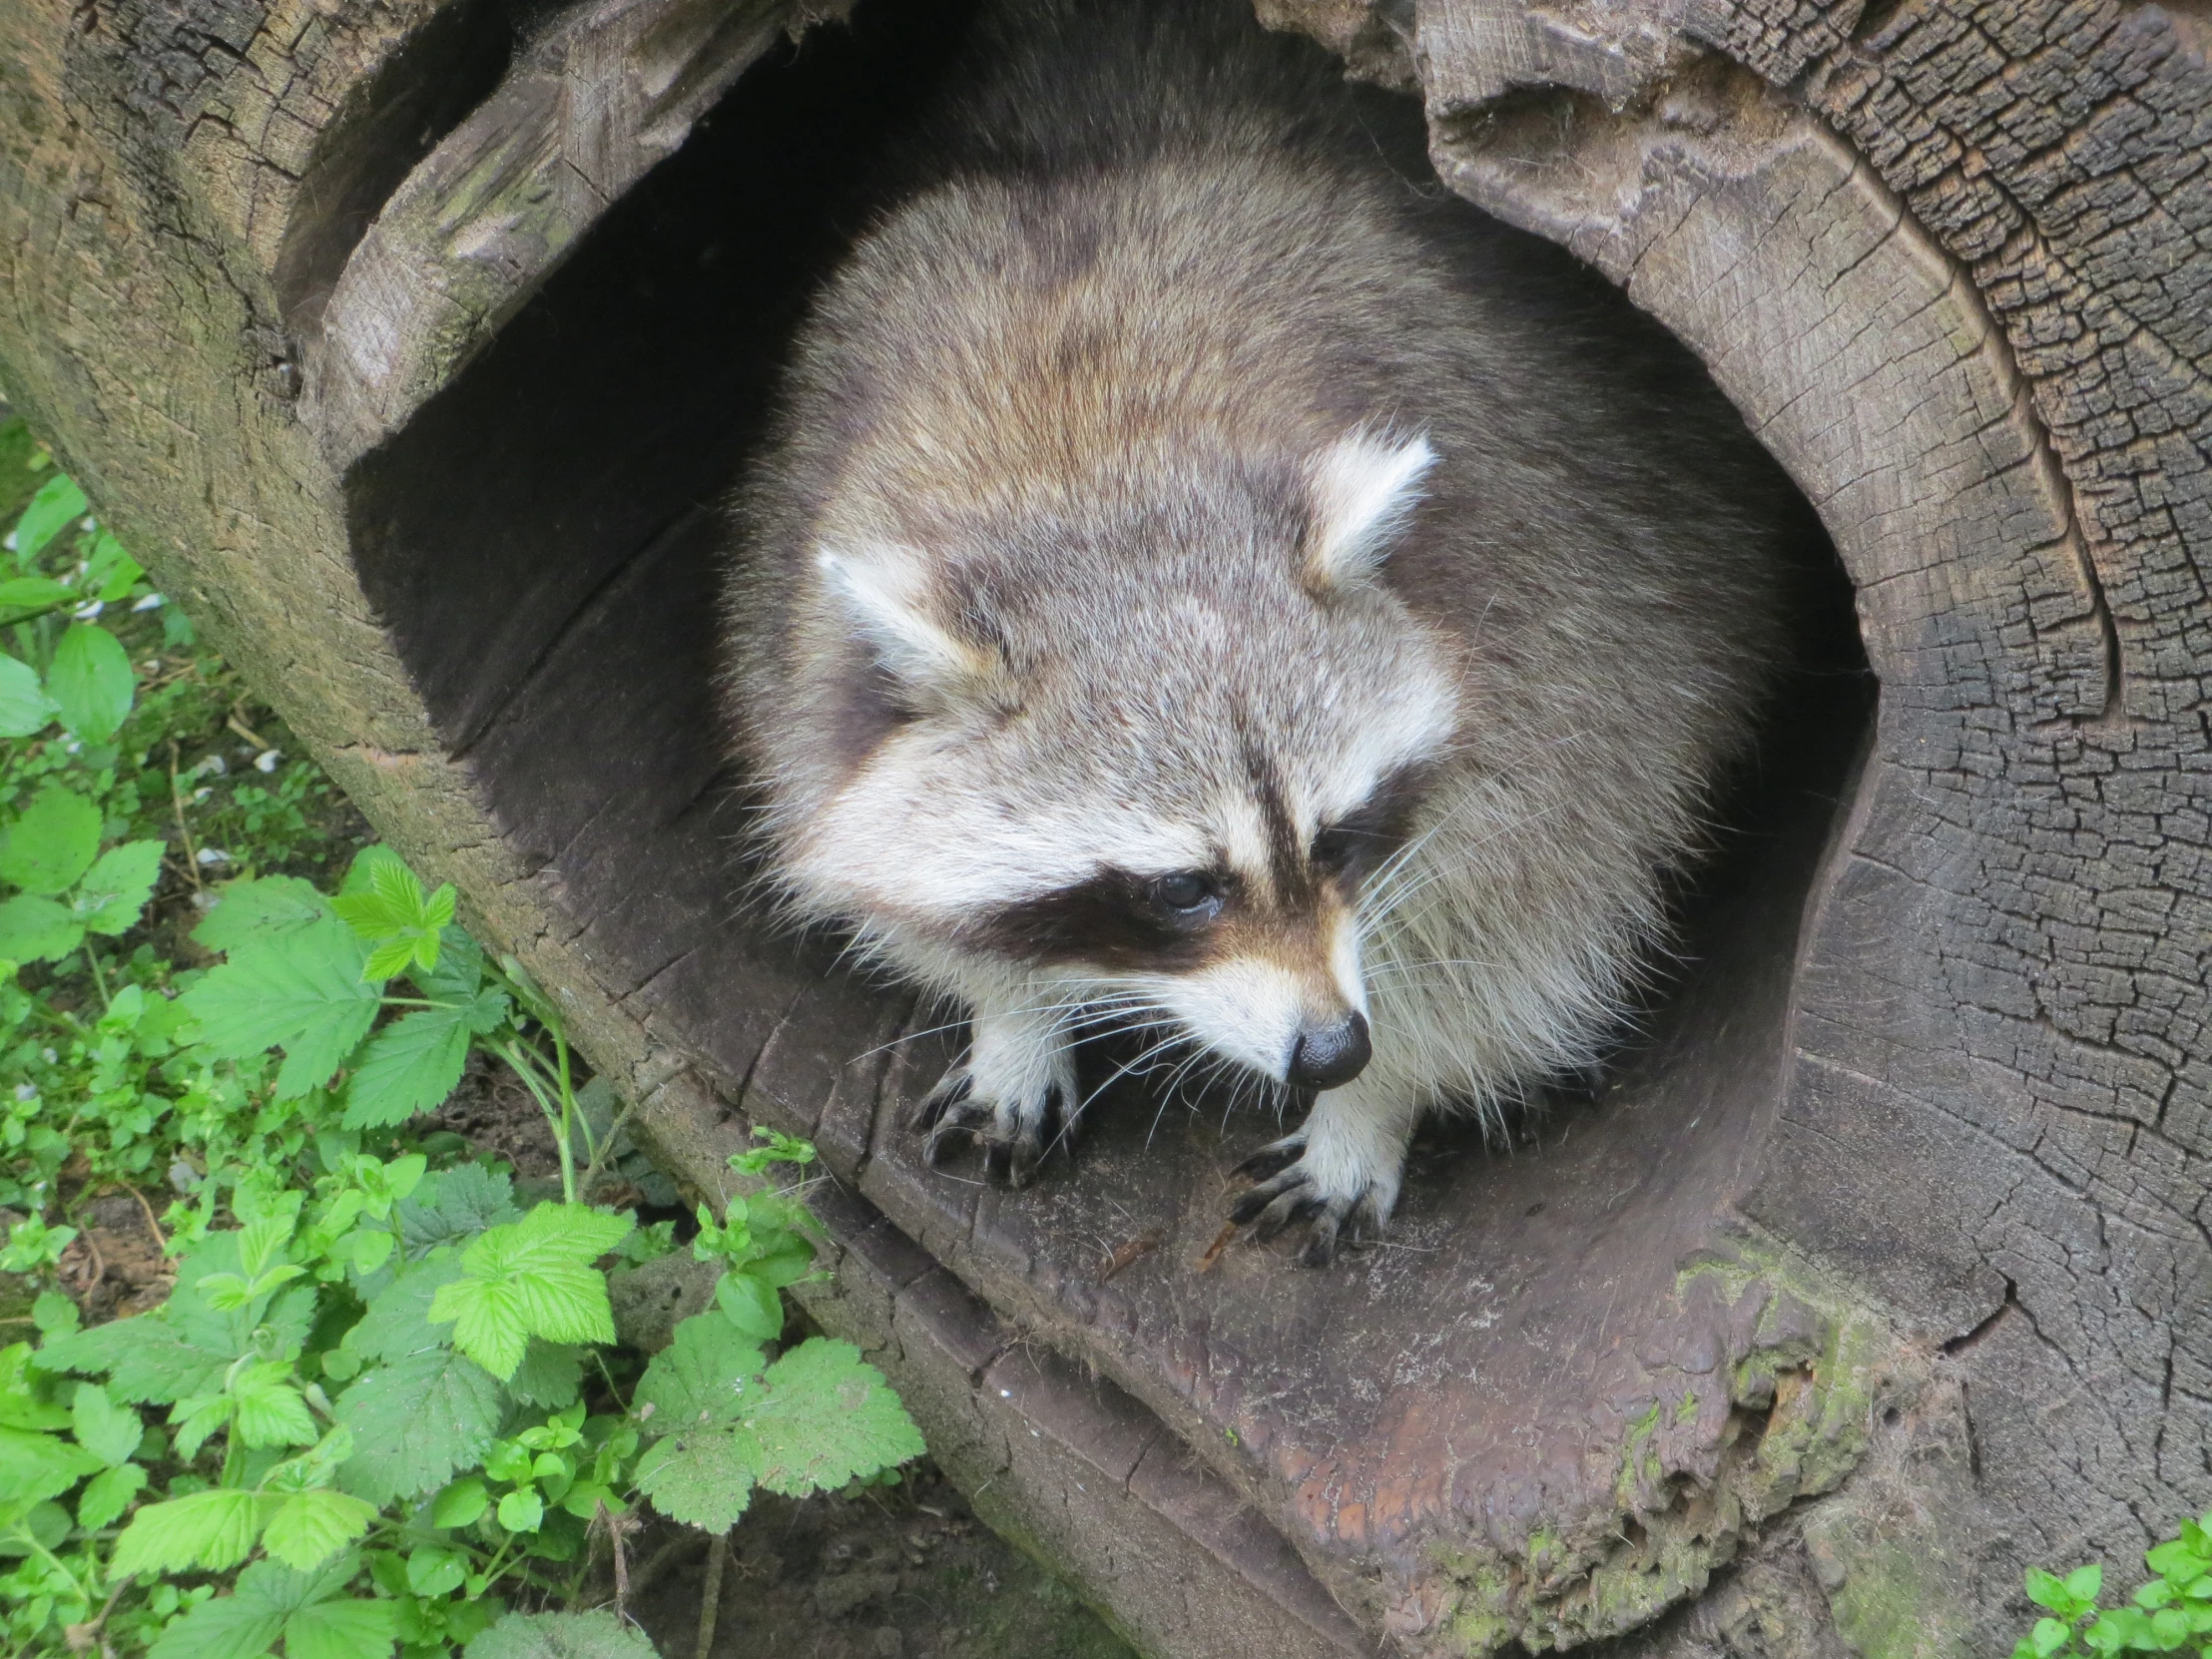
(382, 1399)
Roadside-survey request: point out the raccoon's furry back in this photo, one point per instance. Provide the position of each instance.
(1143, 250)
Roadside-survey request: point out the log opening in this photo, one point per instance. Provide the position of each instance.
(539, 537)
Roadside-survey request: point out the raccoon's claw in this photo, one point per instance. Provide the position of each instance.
(1268, 1160)
(1015, 1141)
(1291, 1194)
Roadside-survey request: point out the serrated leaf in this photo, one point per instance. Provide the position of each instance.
(149, 1359)
(271, 904)
(270, 1410)
(22, 1401)
(452, 1207)
(561, 1636)
(459, 972)
(395, 1325)
(415, 1421)
(701, 1475)
(408, 1067)
(698, 1377)
(308, 1528)
(301, 990)
(828, 1417)
(114, 893)
(36, 1466)
(58, 504)
(91, 682)
(532, 1278)
(307, 1607)
(34, 929)
(111, 1433)
(228, 1627)
(107, 1494)
(25, 708)
(551, 1375)
(211, 1530)
(53, 843)
(343, 1630)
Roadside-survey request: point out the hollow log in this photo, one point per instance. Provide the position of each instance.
(409, 343)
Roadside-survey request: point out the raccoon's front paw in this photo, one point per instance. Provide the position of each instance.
(1015, 1121)
(1342, 1199)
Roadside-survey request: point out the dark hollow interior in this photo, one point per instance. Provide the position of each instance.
(541, 540)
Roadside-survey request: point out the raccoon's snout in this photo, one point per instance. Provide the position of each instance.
(1328, 1056)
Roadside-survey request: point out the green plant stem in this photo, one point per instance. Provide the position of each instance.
(607, 1142)
(558, 1118)
(233, 1457)
(99, 980)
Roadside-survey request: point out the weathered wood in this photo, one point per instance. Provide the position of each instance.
(1879, 1272)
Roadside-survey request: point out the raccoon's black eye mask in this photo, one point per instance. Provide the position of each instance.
(1115, 919)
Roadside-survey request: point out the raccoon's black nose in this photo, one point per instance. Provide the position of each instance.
(1324, 1056)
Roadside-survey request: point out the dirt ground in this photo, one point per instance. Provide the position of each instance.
(901, 1574)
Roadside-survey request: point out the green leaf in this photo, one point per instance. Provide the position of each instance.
(395, 1325)
(109, 1432)
(561, 1636)
(36, 1466)
(2047, 1590)
(37, 930)
(828, 1418)
(270, 1411)
(2085, 1583)
(697, 1378)
(301, 990)
(752, 1304)
(23, 1402)
(52, 843)
(23, 596)
(460, 1504)
(57, 505)
(91, 681)
(309, 1527)
(25, 708)
(308, 1608)
(408, 1067)
(116, 890)
(532, 1278)
(452, 1207)
(107, 1494)
(248, 909)
(343, 1630)
(550, 1374)
(415, 1421)
(211, 1530)
(228, 1627)
(818, 1418)
(701, 1475)
(148, 1359)
(432, 1571)
(2049, 1637)
(522, 1511)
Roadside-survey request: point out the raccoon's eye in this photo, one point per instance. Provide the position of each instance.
(1189, 894)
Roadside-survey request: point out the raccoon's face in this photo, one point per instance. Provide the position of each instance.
(1152, 754)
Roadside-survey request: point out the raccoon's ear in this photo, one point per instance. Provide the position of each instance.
(1360, 490)
(883, 591)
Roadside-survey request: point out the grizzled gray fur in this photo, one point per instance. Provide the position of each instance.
(1204, 579)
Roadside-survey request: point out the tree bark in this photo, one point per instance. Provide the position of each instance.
(410, 358)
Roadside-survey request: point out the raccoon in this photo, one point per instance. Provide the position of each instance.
(1204, 577)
